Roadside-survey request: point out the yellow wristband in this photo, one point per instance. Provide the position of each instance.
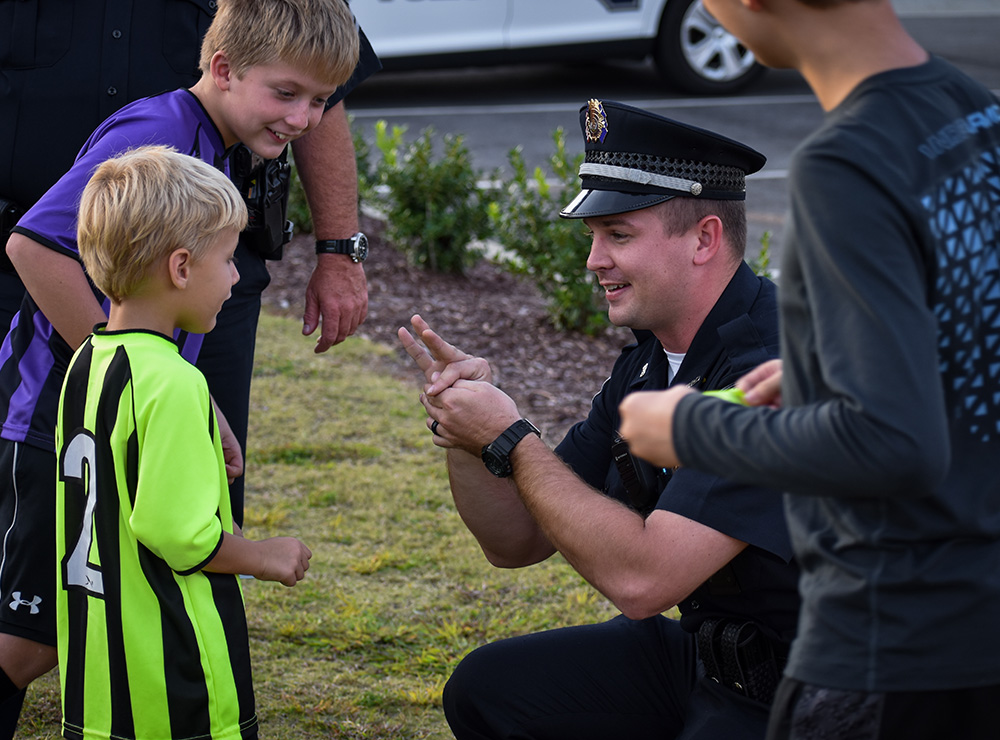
(733, 395)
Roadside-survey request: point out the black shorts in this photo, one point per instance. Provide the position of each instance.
(807, 712)
(28, 546)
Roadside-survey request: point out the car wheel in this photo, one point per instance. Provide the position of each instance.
(697, 55)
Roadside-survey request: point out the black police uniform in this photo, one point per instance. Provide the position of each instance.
(67, 65)
(637, 679)
(740, 333)
(712, 673)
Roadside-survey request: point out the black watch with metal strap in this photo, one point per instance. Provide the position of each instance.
(356, 247)
(496, 455)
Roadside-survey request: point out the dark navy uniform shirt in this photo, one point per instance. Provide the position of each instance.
(739, 333)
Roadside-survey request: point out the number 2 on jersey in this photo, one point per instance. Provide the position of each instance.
(78, 460)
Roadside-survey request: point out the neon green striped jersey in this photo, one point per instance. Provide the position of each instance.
(151, 646)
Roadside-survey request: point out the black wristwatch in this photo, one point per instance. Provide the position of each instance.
(496, 455)
(356, 247)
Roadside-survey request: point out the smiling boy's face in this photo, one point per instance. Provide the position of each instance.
(269, 106)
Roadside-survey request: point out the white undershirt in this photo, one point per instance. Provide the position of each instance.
(674, 359)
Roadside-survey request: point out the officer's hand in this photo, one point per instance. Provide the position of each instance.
(442, 363)
(337, 296)
(469, 414)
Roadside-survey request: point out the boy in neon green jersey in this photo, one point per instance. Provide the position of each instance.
(152, 635)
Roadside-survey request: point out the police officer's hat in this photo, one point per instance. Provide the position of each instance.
(636, 159)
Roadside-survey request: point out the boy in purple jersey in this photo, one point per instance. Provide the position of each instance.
(268, 67)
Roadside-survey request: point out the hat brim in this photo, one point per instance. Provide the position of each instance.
(592, 203)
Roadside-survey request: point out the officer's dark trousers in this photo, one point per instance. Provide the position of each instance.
(620, 679)
(226, 357)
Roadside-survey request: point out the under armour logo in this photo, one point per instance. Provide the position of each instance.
(18, 601)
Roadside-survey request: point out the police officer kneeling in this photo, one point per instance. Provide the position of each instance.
(665, 204)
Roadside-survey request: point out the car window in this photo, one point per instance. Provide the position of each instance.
(399, 28)
(537, 23)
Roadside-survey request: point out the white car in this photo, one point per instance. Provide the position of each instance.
(691, 50)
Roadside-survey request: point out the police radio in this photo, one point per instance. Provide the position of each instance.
(264, 185)
(641, 481)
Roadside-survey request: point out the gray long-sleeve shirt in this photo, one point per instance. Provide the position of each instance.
(889, 439)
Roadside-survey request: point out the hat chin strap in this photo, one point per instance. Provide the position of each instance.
(640, 177)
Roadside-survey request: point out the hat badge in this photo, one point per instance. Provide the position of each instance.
(597, 121)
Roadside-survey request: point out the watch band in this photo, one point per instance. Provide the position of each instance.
(335, 246)
(355, 247)
(496, 455)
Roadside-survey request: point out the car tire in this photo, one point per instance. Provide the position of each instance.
(696, 55)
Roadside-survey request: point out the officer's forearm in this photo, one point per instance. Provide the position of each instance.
(325, 161)
(493, 512)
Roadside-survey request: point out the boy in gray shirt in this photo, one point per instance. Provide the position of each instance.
(888, 430)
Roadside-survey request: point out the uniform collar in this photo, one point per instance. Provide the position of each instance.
(652, 372)
(736, 300)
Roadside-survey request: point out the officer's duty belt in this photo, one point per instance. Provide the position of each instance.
(738, 655)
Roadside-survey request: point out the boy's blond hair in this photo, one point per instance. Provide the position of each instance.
(317, 36)
(144, 204)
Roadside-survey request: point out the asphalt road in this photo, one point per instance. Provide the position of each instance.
(500, 108)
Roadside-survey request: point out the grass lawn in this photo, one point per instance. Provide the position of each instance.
(398, 590)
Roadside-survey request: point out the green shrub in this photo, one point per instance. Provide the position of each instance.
(761, 264)
(298, 207)
(434, 208)
(367, 178)
(551, 250)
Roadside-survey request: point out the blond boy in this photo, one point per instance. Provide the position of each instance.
(152, 636)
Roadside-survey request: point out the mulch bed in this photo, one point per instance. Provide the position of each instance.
(551, 374)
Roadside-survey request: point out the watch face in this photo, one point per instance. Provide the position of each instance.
(360, 248)
(500, 467)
